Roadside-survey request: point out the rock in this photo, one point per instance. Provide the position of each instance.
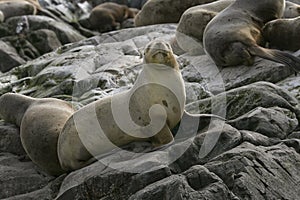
(272, 122)
(209, 159)
(137, 3)
(210, 142)
(108, 61)
(64, 32)
(239, 101)
(9, 57)
(24, 48)
(48, 192)
(140, 170)
(195, 91)
(101, 183)
(44, 40)
(217, 79)
(195, 183)
(258, 139)
(10, 139)
(155, 12)
(295, 135)
(4, 30)
(19, 177)
(94, 3)
(256, 172)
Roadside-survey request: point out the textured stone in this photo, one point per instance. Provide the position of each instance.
(239, 101)
(10, 139)
(9, 57)
(256, 172)
(272, 122)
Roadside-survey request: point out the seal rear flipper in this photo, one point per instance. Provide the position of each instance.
(277, 56)
(13, 106)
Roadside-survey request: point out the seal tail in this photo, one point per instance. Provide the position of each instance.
(13, 106)
(276, 56)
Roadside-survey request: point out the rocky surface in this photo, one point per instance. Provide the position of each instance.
(254, 154)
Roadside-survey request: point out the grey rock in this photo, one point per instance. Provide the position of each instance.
(4, 30)
(10, 139)
(148, 167)
(295, 135)
(44, 40)
(94, 3)
(65, 33)
(295, 1)
(19, 177)
(213, 140)
(108, 61)
(195, 183)
(203, 70)
(48, 192)
(258, 139)
(195, 91)
(239, 101)
(256, 172)
(209, 159)
(24, 48)
(272, 122)
(98, 181)
(137, 3)
(9, 57)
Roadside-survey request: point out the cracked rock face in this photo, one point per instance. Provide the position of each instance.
(252, 155)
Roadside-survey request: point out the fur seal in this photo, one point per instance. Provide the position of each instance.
(40, 122)
(234, 35)
(292, 10)
(16, 8)
(109, 16)
(283, 34)
(189, 32)
(125, 117)
(162, 67)
(164, 11)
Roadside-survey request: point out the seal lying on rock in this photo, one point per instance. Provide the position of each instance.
(189, 32)
(108, 16)
(124, 118)
(283, 34)
(164, 11)
(17, 8)
(40, 122)
(51, 131)
(234, 35)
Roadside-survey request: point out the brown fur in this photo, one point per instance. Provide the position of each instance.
(108, 16)
(18, 7)
(283, 34)
(234, 35)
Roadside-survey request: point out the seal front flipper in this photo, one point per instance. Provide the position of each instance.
(165, 136)
(277, 56)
